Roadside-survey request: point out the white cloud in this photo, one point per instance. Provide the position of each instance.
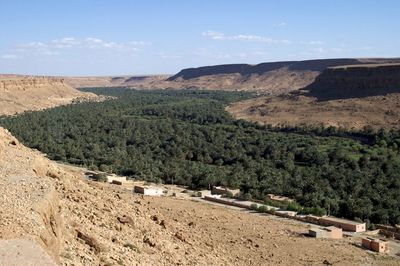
(337, 49)
(169, 56)
(280, 25)
(206, 52)
(366, 48)
(55, 47)
(214, 35)
(10, 56)
(316, 43)
(66, 42)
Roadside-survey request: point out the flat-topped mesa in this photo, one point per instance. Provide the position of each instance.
(28, 82)
(356, 81)
(22, 93)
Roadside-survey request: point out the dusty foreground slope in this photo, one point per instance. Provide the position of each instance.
(21, 93)
(79, 222)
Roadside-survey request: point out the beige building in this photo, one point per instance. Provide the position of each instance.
(279, 198)
(326, 232)
(112, 178)
(224, 191)
(148, 191)
(286, 213)
(377, 245)
(346, 225)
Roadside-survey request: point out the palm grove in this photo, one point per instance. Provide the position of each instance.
(186, 137)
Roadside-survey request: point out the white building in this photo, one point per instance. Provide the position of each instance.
(148, 191)
(120, 179)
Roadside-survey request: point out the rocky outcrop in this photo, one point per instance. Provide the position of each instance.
(356, 82)
(28, 83)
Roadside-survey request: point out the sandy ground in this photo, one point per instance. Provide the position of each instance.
(376, 111)
(32, 255)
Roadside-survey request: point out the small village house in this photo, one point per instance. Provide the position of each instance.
(224, 191)
(279, 198)
(377, 245)
(148, 190)
(346, 225)
(111, 178)
(326, 232)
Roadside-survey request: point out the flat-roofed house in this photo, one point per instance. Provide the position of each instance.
(377, 245)
(346, 225)
(326, 232)
(148, 190)
(224, 191)
(279, 198)
(112, 178)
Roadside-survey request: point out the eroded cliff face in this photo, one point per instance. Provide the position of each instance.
(356, 82)
(29, 201)
(21, 93)
(26, 83)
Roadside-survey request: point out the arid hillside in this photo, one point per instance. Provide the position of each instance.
(81, 222)
(21, 93)
(142, 82)
(347, 96)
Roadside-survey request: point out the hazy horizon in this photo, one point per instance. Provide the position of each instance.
(100, 38)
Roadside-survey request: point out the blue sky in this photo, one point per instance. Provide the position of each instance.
(115, 37)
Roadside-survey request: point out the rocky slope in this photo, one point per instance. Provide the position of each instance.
(79, 222)
(21, 93)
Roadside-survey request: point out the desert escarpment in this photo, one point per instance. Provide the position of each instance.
(21, 93)
(272, 78)
(356, 81)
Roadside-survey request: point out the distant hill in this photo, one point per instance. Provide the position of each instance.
(272, 78)
(350, 96)
(142, 82)
(22, 93)
(260, 69)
